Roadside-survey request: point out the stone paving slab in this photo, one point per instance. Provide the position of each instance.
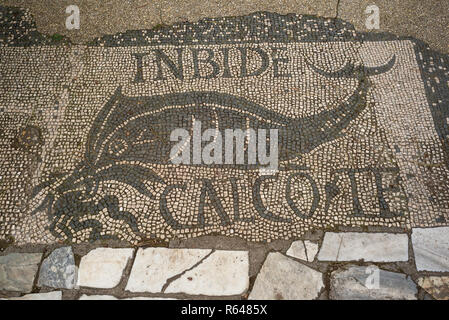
(353, 246)
(431, 248)
(153, 267)
(438, 287)
(171, 273)
(103, 267)
(370, 283)
(282, 278)
(190, 271)
(304, 250)
(220, 274)
(58, 270)
(18, 270)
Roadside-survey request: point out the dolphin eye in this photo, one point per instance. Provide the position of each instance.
(117, 147)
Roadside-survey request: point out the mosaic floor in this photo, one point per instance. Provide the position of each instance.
(85, 144)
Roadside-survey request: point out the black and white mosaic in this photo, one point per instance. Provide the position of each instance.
(85, 130)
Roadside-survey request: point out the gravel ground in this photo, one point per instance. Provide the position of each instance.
(425, 20)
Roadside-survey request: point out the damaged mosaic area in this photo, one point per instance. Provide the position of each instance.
(85, 130)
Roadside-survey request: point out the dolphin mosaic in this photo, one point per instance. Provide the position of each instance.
(130, 130)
